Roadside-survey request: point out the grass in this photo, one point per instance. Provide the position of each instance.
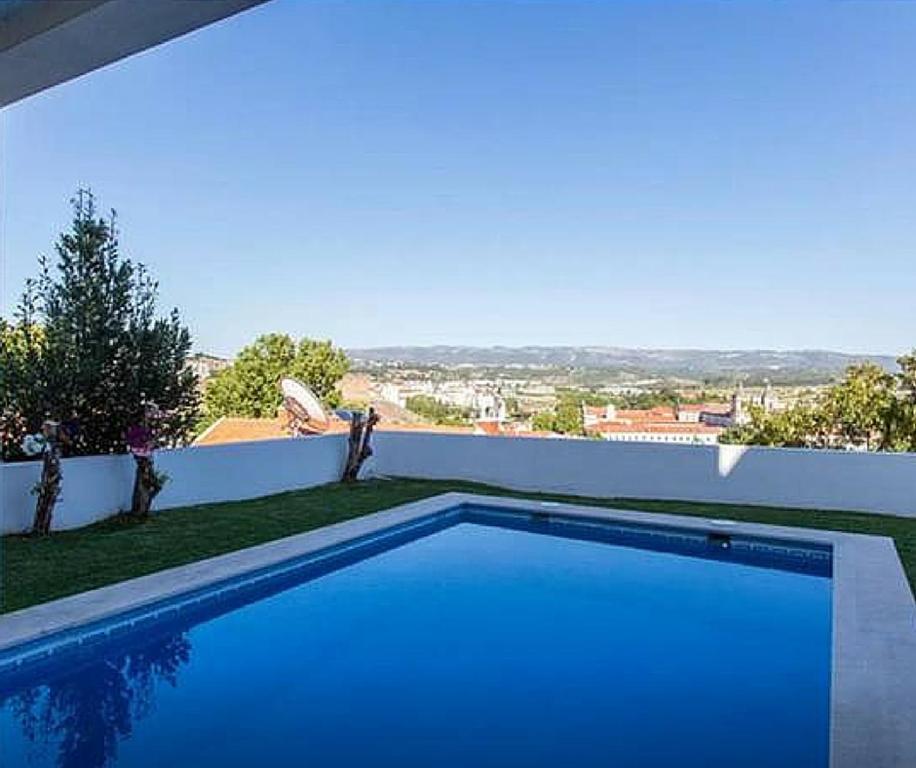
(37, 570)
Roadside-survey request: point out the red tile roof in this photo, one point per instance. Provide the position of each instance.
(659, 413)
(238, 430)
(488, 427)
(230, 429)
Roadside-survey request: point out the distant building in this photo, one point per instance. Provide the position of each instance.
(391, 393)
(490, 406)
(592, 415)
(710, 414)
(691, 424)
(742, 403)
(493, 428)
(768, 400)
(659, 432)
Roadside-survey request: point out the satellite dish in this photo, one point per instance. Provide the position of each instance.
(306, 413)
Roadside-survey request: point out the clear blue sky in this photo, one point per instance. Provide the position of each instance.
(639, 174)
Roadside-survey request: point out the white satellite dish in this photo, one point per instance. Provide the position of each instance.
(306, 413)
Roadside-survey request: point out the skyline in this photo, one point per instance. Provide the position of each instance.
(705, 177)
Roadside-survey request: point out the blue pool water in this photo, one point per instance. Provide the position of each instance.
(484, 640)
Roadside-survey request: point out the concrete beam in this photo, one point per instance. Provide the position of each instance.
(47, 42)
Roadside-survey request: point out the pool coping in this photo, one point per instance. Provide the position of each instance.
(873, 685)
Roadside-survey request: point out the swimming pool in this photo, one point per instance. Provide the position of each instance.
(476, 636)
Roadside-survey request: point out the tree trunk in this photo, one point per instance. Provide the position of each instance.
(146, 486)
(48, 491)
(356, 430)
(359, 447)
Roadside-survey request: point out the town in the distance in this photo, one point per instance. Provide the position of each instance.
(685, 397)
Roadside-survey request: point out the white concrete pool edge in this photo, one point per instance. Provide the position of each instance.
(873, 690)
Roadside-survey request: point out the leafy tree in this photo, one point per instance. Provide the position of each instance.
(665, 396)
(860, 409)
(88, 348)
(249, 386)
(801, 426)
(869, 408)
(903, 437)
(651, 399)
(584, 397)
(543, 421)
(21, 391)
(569, 419)
(565, 418)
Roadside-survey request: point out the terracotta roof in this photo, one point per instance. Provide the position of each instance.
(659, 413)
(238, 430)
(230, 429)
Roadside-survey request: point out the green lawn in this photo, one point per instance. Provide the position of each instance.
(36, 570)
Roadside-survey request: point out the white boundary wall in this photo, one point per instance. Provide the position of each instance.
(95, 487)
(98, 486)
(782, 477)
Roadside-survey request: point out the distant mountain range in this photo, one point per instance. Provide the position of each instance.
(806, 364)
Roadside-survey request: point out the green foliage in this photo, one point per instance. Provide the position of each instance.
(666, 396)
(22, 347)
(513, 407)
(543, 421)
(565, 418)
(904, 416)
(869, 409)
(436, 411)
(583, 396)
(249, 386)
(801, 426)
(644, 400)
(860, 409)
(87, 346)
